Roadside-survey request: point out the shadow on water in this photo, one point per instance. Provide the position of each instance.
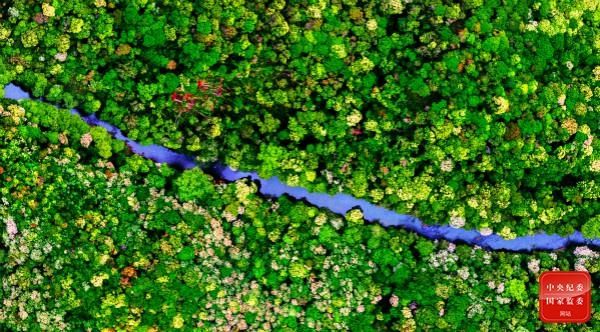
(338, 203)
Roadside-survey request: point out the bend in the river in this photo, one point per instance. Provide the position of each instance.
(338, 203)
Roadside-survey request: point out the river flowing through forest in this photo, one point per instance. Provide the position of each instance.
(338, 203)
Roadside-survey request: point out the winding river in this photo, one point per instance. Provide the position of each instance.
(338, 203)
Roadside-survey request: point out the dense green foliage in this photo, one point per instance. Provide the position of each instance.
(125, 245)
(485, 111)
(480, 114)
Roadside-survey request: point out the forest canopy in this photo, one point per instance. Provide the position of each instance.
(480, 110)
(475, 114)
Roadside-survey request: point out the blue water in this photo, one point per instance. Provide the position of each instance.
(339, 203)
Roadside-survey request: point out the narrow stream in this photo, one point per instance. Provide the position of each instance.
(338, 203)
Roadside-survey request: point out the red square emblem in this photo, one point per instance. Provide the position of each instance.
(565, 296)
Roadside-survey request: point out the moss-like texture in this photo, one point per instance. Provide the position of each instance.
(480, 114)
(485, 111)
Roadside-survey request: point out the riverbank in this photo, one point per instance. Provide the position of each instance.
(339, 203)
